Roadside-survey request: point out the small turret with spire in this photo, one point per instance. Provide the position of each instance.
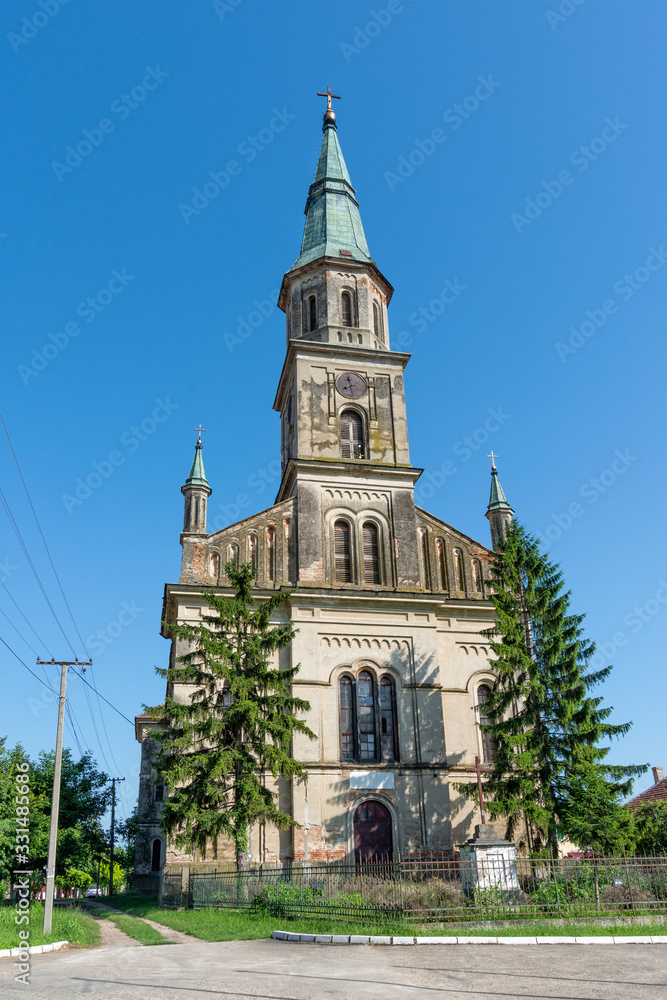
(196, 492)
(499, 512)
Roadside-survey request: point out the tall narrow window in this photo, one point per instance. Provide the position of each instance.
(483, 692)
(346, 304)
(342, 552)
(442, 564)
(477, 575)
(376, 321)
(346, 688)
(388, 719)
(426, 576)
(459, 580)
(351, 435)
(371, 553)
(287, 548)
(271, 552)
(214, 568)
(252, 551)
(366, 717)
(233, 553)
(156, 855)
(312, 313)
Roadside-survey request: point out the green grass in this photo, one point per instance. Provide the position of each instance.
(234, 925)
(69, 924)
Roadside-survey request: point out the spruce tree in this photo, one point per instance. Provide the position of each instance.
(236, 725)
(548, 773)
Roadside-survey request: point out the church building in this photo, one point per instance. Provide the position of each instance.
(389, 600)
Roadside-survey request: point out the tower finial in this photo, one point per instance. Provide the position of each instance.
(329, 114)
(499, 512)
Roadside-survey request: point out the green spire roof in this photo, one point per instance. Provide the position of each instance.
(497, 500)
(197, 475)
(333, 222)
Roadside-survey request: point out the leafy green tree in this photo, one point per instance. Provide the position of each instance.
(127, 831)
(548, 773)
(649, 829)
(8, 770)
(237, 725)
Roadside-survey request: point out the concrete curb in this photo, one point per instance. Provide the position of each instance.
(36, 949)
(373, 939)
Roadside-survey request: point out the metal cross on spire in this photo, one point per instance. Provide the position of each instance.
(493, 459)
(328, 96)
(200, 429)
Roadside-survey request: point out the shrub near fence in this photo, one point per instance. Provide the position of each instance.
(428, 891)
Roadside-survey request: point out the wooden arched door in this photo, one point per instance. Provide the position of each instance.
(373, 840)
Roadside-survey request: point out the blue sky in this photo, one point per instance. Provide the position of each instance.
(516, 154)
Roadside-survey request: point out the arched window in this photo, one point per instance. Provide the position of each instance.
(442, 562)
(360, 717)
(351, 435)
(477, 575)
(233, 553)
(388, 719)
(214, 566)
(271, 552)
(342, 552)
(252, 551)
(197, 514)
(366, 716)
(346, 688)
(423, 552)
(483, 692)
(370, 536)
(459, 580)
(376, 321)
(312, 313)
(156, 855)
(346, 308)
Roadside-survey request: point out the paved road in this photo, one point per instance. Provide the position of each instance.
(274, 970)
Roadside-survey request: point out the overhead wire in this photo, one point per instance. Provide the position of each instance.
(93, 686)
(70, 718)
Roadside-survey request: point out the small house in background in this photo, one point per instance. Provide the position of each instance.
(656, 793)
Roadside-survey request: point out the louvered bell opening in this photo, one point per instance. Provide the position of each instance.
(371, 554)
(351, 435)
(342, 552)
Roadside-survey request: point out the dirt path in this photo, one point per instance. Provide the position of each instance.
(177, 937)
(112, 936)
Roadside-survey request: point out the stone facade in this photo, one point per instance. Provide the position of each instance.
(388, 600)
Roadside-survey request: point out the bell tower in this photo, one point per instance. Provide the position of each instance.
(341, 393)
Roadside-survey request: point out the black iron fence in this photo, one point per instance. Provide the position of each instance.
(485, 888)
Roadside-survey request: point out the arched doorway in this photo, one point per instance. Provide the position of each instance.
(156, 856)
(373, 840)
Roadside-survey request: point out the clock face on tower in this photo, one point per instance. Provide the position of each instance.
(351, 385)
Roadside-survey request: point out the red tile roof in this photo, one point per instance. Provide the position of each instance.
(656, 793)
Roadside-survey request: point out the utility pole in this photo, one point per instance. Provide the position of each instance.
(55, 798)
(113, 816)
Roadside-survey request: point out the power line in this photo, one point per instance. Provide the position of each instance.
(26, 620)
(47, 686)
(39, 527)
(17, 531)
(117, 710)
(55, 573)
